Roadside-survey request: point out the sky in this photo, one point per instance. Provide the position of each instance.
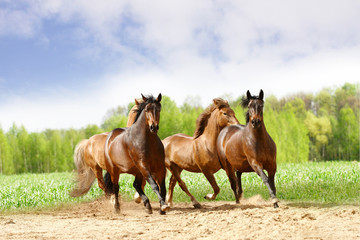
(65, 63)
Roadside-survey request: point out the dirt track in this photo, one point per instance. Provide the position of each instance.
(254, 218)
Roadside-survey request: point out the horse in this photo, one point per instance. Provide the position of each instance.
(89, 158)
(248, 148)
(138, 150)
(198, 153)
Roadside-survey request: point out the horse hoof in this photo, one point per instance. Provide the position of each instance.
(137, 198)
(162, 212)
(237, 202)
(210, 197)
(149, 211)
(165, 208)
(197, 205)
(276, 205)
(117, 210)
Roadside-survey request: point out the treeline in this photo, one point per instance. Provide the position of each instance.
(324, 126)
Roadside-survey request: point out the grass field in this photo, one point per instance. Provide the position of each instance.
(319, 183)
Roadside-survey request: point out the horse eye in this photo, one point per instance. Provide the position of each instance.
(225, 113)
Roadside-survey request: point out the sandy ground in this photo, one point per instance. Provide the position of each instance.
(254, 218)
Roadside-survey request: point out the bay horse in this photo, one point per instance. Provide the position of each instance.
(198, 153)
(138, 150)
(249, 148)
(89, 158)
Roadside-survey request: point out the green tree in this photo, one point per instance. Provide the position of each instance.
(170, 118)
(348, 134)
(319, 130)
(190, 111)
(6, 161)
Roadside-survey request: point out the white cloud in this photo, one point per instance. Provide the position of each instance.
(181, 48)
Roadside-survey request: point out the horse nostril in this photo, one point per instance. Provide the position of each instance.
(157, 127)
(151, 127)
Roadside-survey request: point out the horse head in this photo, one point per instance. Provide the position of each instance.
(152, 112)
(225, 115)
(255, 105)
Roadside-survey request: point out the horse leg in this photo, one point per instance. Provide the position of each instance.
(232, 179)
(138, 185)
(137, 197)
(101, 183)
(210, 177)
(169, 196)
(176, 171)
(240, 191)
(115, 181)
(270, 186)
(155, 187)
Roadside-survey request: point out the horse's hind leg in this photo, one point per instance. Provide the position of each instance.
(101, 183)
(176, 171)
(137, 197)
(210, 177)
(139, 189)
(240, 191)
(233, 181)
(169, 197)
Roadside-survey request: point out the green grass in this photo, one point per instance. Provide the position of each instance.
(320, 183)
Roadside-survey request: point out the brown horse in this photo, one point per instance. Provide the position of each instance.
(138, 150)
(249, 148)
(89, 158)
(198, 153)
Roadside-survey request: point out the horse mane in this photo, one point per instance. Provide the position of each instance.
(142, 105)
(245, 103)
(202, 120)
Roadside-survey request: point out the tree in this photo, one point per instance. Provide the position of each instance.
(348, 134)
(170, 118)
(319, 130)
(6, 161)
(190, 111)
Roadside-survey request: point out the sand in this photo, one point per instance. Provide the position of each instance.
(253, 218)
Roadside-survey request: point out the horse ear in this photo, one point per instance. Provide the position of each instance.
(261, 95)
(248, 95)
(158, 99)
(216, 101)
(144, 98)
(136, 102)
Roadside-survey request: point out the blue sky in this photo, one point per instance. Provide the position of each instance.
(65, 63)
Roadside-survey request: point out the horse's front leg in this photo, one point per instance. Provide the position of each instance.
(269, 183)
(160, 192)
(210, 177)
(138, 185)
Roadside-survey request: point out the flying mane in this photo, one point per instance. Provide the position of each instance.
(142, 105)
(202, 120)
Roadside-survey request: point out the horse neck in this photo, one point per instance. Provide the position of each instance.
(139, 127)
(258, 133)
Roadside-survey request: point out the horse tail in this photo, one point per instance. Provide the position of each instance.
(109, 186)
(85, 175)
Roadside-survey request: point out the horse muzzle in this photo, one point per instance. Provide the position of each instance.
(154, 128)
(255, 123)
